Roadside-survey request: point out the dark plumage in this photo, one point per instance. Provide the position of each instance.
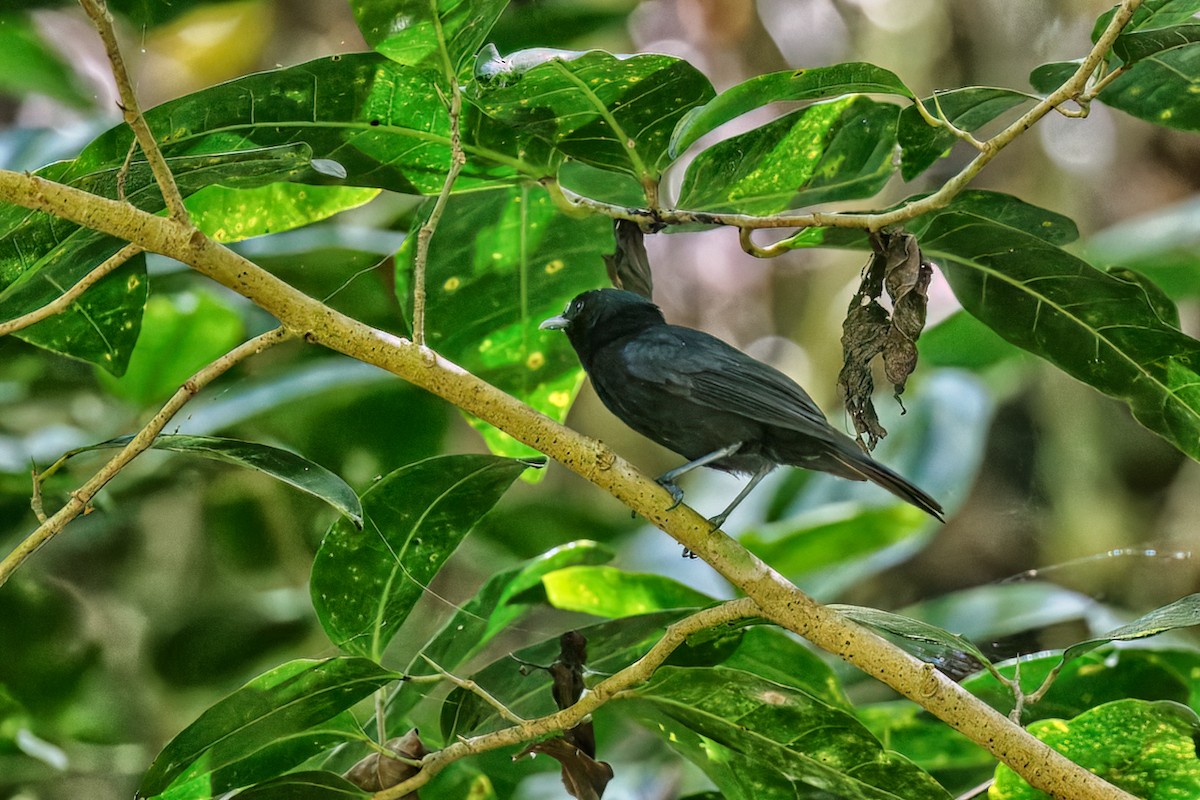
(708, 401)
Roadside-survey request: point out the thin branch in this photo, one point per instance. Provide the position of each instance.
(102, 20)
(785, 604)
(638, 672)
(475, 689)
(64, 301)
(940, 120)
(82, 497)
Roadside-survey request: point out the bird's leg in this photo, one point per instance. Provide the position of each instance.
(667, 479)
(719, 519)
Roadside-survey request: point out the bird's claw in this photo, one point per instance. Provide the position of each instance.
(675, 492)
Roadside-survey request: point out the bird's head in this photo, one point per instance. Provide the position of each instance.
(600, 316)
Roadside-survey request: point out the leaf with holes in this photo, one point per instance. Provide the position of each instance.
(501, 262)
(838, 150)
(365, 582)
(613, 112)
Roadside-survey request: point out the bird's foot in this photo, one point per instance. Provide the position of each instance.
(675, 492)
(717, 521)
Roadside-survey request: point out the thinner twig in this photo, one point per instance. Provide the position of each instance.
(474, 688)
(81, 497)
(97, 10)
(64, 300)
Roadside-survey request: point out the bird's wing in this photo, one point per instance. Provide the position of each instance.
(711, 373)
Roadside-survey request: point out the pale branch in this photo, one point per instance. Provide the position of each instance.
(82, 497)
(778, 599)
(64, 301)
(97, 10)
(474, 688)
(636, 673)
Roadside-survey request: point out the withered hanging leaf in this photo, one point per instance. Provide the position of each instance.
(870, 330)
(377, 772)
(584, 777)
(629, 267)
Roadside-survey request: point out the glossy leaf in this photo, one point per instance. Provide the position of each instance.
(839, 150)
(282, 465)
(307, 785)
(758, 739)
(612, 112)
(771, 653)
(505, 598)
(1163, 88)
(931, 744)
(1096, 327)
(180, 334)
(789, 85)
(1147, 749)
(424, 33)
(268, 761)
(968, 109)
(1136, 45)
(283, 702)
(365, 582)
(611, 646)
(1183, 613)
(1151, 14)
(500, 263)
(611, 592)
(232, 215)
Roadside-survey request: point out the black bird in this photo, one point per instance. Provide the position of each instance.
(708, 401)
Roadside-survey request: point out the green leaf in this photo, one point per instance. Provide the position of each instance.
(770, 653)
(1151, 14)
(307, 785)
(268, 761)
(611, 592)
(801, 545)
(932, 745)
(365, 582)
(1183, 613)
(282, 702)
(789, 85)
(1136, 45)
(1163, 245)
(1147, 749)
(1046, 78)
(920, 639)
(611, 646)
(421, 33)
(28, 66)
(504, 599)
(612, 112)
(837, 150)
(231, 215)
(756, 738)
(1163, 88)
(280, 464)
(1102, 330)
(180, 334)
(962, 341)
(501, 262)
(968, 109)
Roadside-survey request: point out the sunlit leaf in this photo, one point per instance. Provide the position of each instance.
(1147, 749)
(613, 112)
(231, 215)
(282, 702)
(500, 263)
(789, 85)
(365, 582)
(756, 738)
(421, 33)
(611, 592)
(838, 150)
(280, 464)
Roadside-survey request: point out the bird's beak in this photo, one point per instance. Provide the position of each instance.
(555, 323)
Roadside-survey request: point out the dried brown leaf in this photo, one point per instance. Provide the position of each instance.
(377, 772)
(629, 266)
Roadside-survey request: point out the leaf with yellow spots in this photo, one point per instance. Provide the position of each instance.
(500, 263)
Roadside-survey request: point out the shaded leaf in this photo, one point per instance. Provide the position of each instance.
(284, 701)
(771, 653)
(1163, 88)
(365, 582)
(614, 593)
(280, 464)
(613, 112)
(837, 150)
(308, 785)
(1183, 613)
(1150, 14)
(1147, 749)
(1045, 78)
(420, 33)
(29, 66)
(931, 744)
(180, 334)
(949, 652)
(756, 738)
(968, 109)
(789, 85)
(1135, 45)
(501, 262)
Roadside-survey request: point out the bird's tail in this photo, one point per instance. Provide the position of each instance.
(866, 468)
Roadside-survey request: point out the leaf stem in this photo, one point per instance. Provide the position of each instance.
(64, 301)
(103, 22)
(81, 497)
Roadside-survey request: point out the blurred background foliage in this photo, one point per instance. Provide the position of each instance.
(190, 577)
